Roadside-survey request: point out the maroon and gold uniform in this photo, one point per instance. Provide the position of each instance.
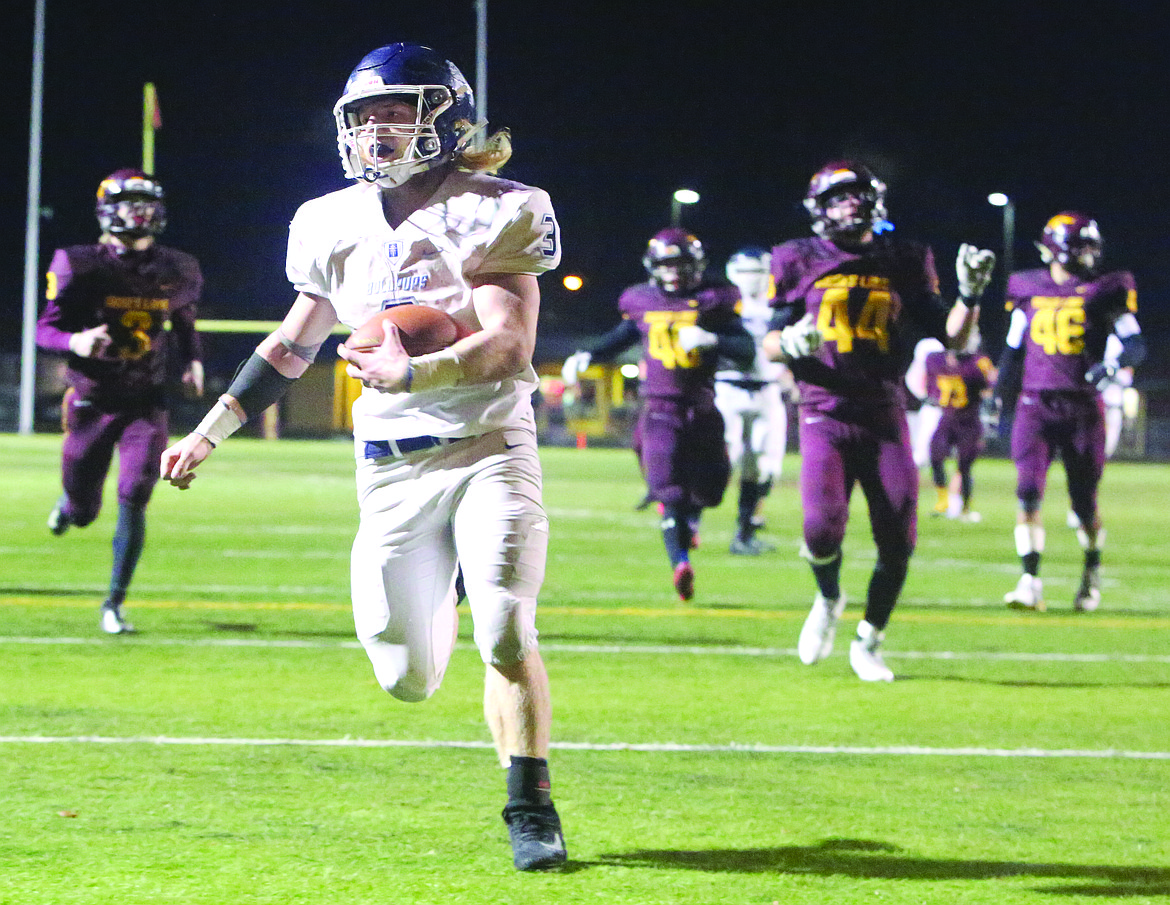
(1061, 329)
(871, 306)
(115, 397)
(1054, 363)
(956, 382)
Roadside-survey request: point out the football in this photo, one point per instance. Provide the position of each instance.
(421, 329)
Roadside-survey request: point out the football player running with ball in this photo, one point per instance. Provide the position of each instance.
(851, 303)
(1062, 316)
(684, 325)
(448, 476)
(108, 304)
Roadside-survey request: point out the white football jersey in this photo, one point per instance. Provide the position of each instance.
(756, 314)
(342, 249)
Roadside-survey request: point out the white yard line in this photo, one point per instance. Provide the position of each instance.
(617, 649)
(644, 747)
(596, 649)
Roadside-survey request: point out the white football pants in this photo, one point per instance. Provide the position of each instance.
(475, 504)
(755, 429)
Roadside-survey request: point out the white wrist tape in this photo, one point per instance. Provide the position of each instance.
(224, 419)
(434, 371)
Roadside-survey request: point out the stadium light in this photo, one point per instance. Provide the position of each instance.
(681, 197)
(572, 282)
(999, 199)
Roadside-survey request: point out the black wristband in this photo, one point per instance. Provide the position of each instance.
(257, 385)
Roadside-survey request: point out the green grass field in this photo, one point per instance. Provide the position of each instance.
(237, 749)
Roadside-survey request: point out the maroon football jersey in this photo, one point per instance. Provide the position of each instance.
(134, 295)
(955, 380)
(1068, 324)
(670, 371)
(871, 307)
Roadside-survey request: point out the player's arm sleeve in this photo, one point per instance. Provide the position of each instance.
(54, 326)
(733, 341)
(612, 344)
(1011, 375)
(931, 315)
(1133, 345)
(1011, 362)
(187, 341)
(784, 316)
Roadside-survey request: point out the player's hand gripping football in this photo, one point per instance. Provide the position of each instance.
(385, 367)
(973, 267)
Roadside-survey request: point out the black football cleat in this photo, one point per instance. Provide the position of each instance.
(535, 833)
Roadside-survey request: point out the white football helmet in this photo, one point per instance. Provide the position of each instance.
(750, 271)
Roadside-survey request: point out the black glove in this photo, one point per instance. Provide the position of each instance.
(1101, 375)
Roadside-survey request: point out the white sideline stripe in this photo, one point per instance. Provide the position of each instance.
(645, 747)
(658, 649)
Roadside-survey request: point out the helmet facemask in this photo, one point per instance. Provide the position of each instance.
(750, 272)
(1084, 259)
(1073, 241)
(414, 147)
(841, 180)
(130, 205)
(851, 224)
(675, 260)
(676, 274)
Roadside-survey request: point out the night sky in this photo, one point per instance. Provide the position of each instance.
(612, 107)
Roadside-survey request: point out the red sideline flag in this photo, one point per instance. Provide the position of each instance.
(151, 111)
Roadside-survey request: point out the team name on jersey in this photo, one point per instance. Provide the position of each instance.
(136, 303)
(407, 283)
(852, 281)
(1057, 301)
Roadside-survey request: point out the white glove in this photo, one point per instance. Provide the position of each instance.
(973, 267)
(801, 339)
(692, 336)
(193, 378)
(90, 343)
(575, 365)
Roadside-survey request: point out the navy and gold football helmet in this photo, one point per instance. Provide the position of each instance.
(675, 260)
(1073, 241)
(131, 204)
(845, 178)
(443, 123)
